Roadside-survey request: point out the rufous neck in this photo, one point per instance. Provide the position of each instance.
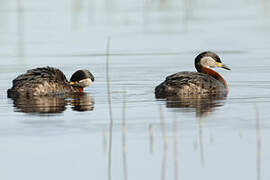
(77, 89)
(215, 75)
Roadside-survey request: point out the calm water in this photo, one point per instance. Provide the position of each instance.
(76, 138)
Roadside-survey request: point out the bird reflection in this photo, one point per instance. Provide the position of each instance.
(202, 106)
(82, 102)
(54, 104)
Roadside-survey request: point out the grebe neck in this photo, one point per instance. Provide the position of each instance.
(77, 89)
(215, 75)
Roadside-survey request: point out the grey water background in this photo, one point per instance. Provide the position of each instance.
(143, 139)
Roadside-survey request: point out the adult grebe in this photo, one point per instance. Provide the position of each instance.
(49, 81)
(204, 83)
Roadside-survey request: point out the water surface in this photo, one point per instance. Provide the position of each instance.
(144, 138)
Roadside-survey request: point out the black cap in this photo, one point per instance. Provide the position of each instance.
(80, 75)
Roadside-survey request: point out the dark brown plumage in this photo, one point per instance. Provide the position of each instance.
(47, 81)
(203, 83)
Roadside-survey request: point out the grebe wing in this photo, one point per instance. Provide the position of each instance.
(188, 84)
(180, 75)
(38, 75)
(190, 78)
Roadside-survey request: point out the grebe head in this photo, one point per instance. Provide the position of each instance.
(209, 59)
(81, 78)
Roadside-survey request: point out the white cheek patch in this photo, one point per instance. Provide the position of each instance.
(208, 62)
(85, 82)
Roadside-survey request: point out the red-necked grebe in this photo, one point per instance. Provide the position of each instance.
(204, 83)
(49, 81)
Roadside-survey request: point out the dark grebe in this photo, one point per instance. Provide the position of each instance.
(204, 83)
(49, 81)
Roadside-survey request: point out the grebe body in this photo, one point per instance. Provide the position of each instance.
(204, 83)
(48, 81)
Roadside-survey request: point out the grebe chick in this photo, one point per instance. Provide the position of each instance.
(202, 84)
(49, 81)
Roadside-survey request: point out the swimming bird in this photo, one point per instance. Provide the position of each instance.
(202, 84)
(49, 81)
